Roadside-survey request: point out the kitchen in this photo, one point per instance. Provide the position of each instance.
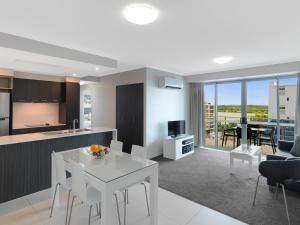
(39, 113)
(42, 119)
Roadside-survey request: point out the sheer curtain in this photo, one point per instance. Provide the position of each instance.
(297, 113)
(197, 112)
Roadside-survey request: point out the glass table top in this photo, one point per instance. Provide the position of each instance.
(112, 166)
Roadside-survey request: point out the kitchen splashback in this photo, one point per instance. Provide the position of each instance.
(34, 113)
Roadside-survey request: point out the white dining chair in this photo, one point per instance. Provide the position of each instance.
(88, 195)
(62, 181)
(138, 152)
(116, 145)
(80, 189)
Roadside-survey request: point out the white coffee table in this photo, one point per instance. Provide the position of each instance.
(245, 153)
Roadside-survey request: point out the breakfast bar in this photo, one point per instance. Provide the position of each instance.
(25, 160)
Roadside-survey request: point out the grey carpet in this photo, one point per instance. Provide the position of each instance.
(204, 177)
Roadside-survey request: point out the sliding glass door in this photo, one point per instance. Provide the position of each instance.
(209, 115)
(258, 112)
(262, 113)
(229, 109)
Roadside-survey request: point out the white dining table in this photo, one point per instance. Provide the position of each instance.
(116, 171)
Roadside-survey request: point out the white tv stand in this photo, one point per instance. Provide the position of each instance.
(178, 147)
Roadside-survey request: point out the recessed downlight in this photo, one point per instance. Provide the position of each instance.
(97, 68)
(140, 13)
(223, 59)
(74, 74)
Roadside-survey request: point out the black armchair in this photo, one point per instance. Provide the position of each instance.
(280, 172)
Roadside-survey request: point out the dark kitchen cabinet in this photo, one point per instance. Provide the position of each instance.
(130, 115)
(69, 108)
(20, 90)
(25, 168)
(26, 90)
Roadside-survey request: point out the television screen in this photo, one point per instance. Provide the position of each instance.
(176, 128)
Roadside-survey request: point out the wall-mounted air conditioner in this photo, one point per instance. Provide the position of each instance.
(168, 82)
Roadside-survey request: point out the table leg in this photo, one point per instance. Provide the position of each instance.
(154, 196)
(250, 163)
(107, 206)
(231, 164)
(259, 157)
(53, 183)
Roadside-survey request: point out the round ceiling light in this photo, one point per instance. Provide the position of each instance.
(222, 59)
(140, 13)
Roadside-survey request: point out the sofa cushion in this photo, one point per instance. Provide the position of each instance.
(295, 151)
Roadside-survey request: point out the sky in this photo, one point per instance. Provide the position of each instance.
(230, 93)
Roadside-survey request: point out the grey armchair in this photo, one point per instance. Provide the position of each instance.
(282, 173)
(283, 153)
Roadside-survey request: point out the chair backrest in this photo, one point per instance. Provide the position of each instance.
(60, 169)
(116, 145)
(139, 151)
(239, 132)
(78, 181)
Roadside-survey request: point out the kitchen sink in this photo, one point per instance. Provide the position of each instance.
(70, 131)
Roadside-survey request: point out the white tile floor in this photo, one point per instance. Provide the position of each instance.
(173, 210)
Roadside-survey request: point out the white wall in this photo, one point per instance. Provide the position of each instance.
(163, 105)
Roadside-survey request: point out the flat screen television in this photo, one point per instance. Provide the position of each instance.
(176, 128)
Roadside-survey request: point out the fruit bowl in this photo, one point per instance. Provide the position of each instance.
(97, 151)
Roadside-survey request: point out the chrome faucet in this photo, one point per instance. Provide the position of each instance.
(74, 123)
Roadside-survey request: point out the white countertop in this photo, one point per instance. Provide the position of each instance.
(21, 138)
(29, 126)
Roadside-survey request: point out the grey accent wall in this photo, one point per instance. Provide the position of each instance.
(104, 96)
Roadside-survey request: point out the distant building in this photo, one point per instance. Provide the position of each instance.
(287, 101)
(209, 117)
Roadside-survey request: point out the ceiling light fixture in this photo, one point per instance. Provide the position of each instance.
(222, 59)
(74, 74)
(140, 13)
(97, 68)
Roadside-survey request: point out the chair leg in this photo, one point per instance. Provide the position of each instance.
(71, 209)
(90, 213)
(146, 194)
(97, 209)
(276, 191)
(127, 196)
(68, 203)
(56, 186)
(100, 210)
(125, 203)
(285, 203)
(253, 203)
(118, 209)
(223, 140)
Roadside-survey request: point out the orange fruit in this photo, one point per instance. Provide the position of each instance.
(95, 148)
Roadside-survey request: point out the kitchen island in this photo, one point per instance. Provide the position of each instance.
(25, 160)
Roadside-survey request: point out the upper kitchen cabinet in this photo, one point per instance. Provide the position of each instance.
(20, 90)
(70, 104)
(26, 90)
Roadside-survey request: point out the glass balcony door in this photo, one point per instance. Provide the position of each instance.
(229, 113)
(258, 111)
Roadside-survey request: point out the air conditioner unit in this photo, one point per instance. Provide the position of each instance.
(168, 82)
